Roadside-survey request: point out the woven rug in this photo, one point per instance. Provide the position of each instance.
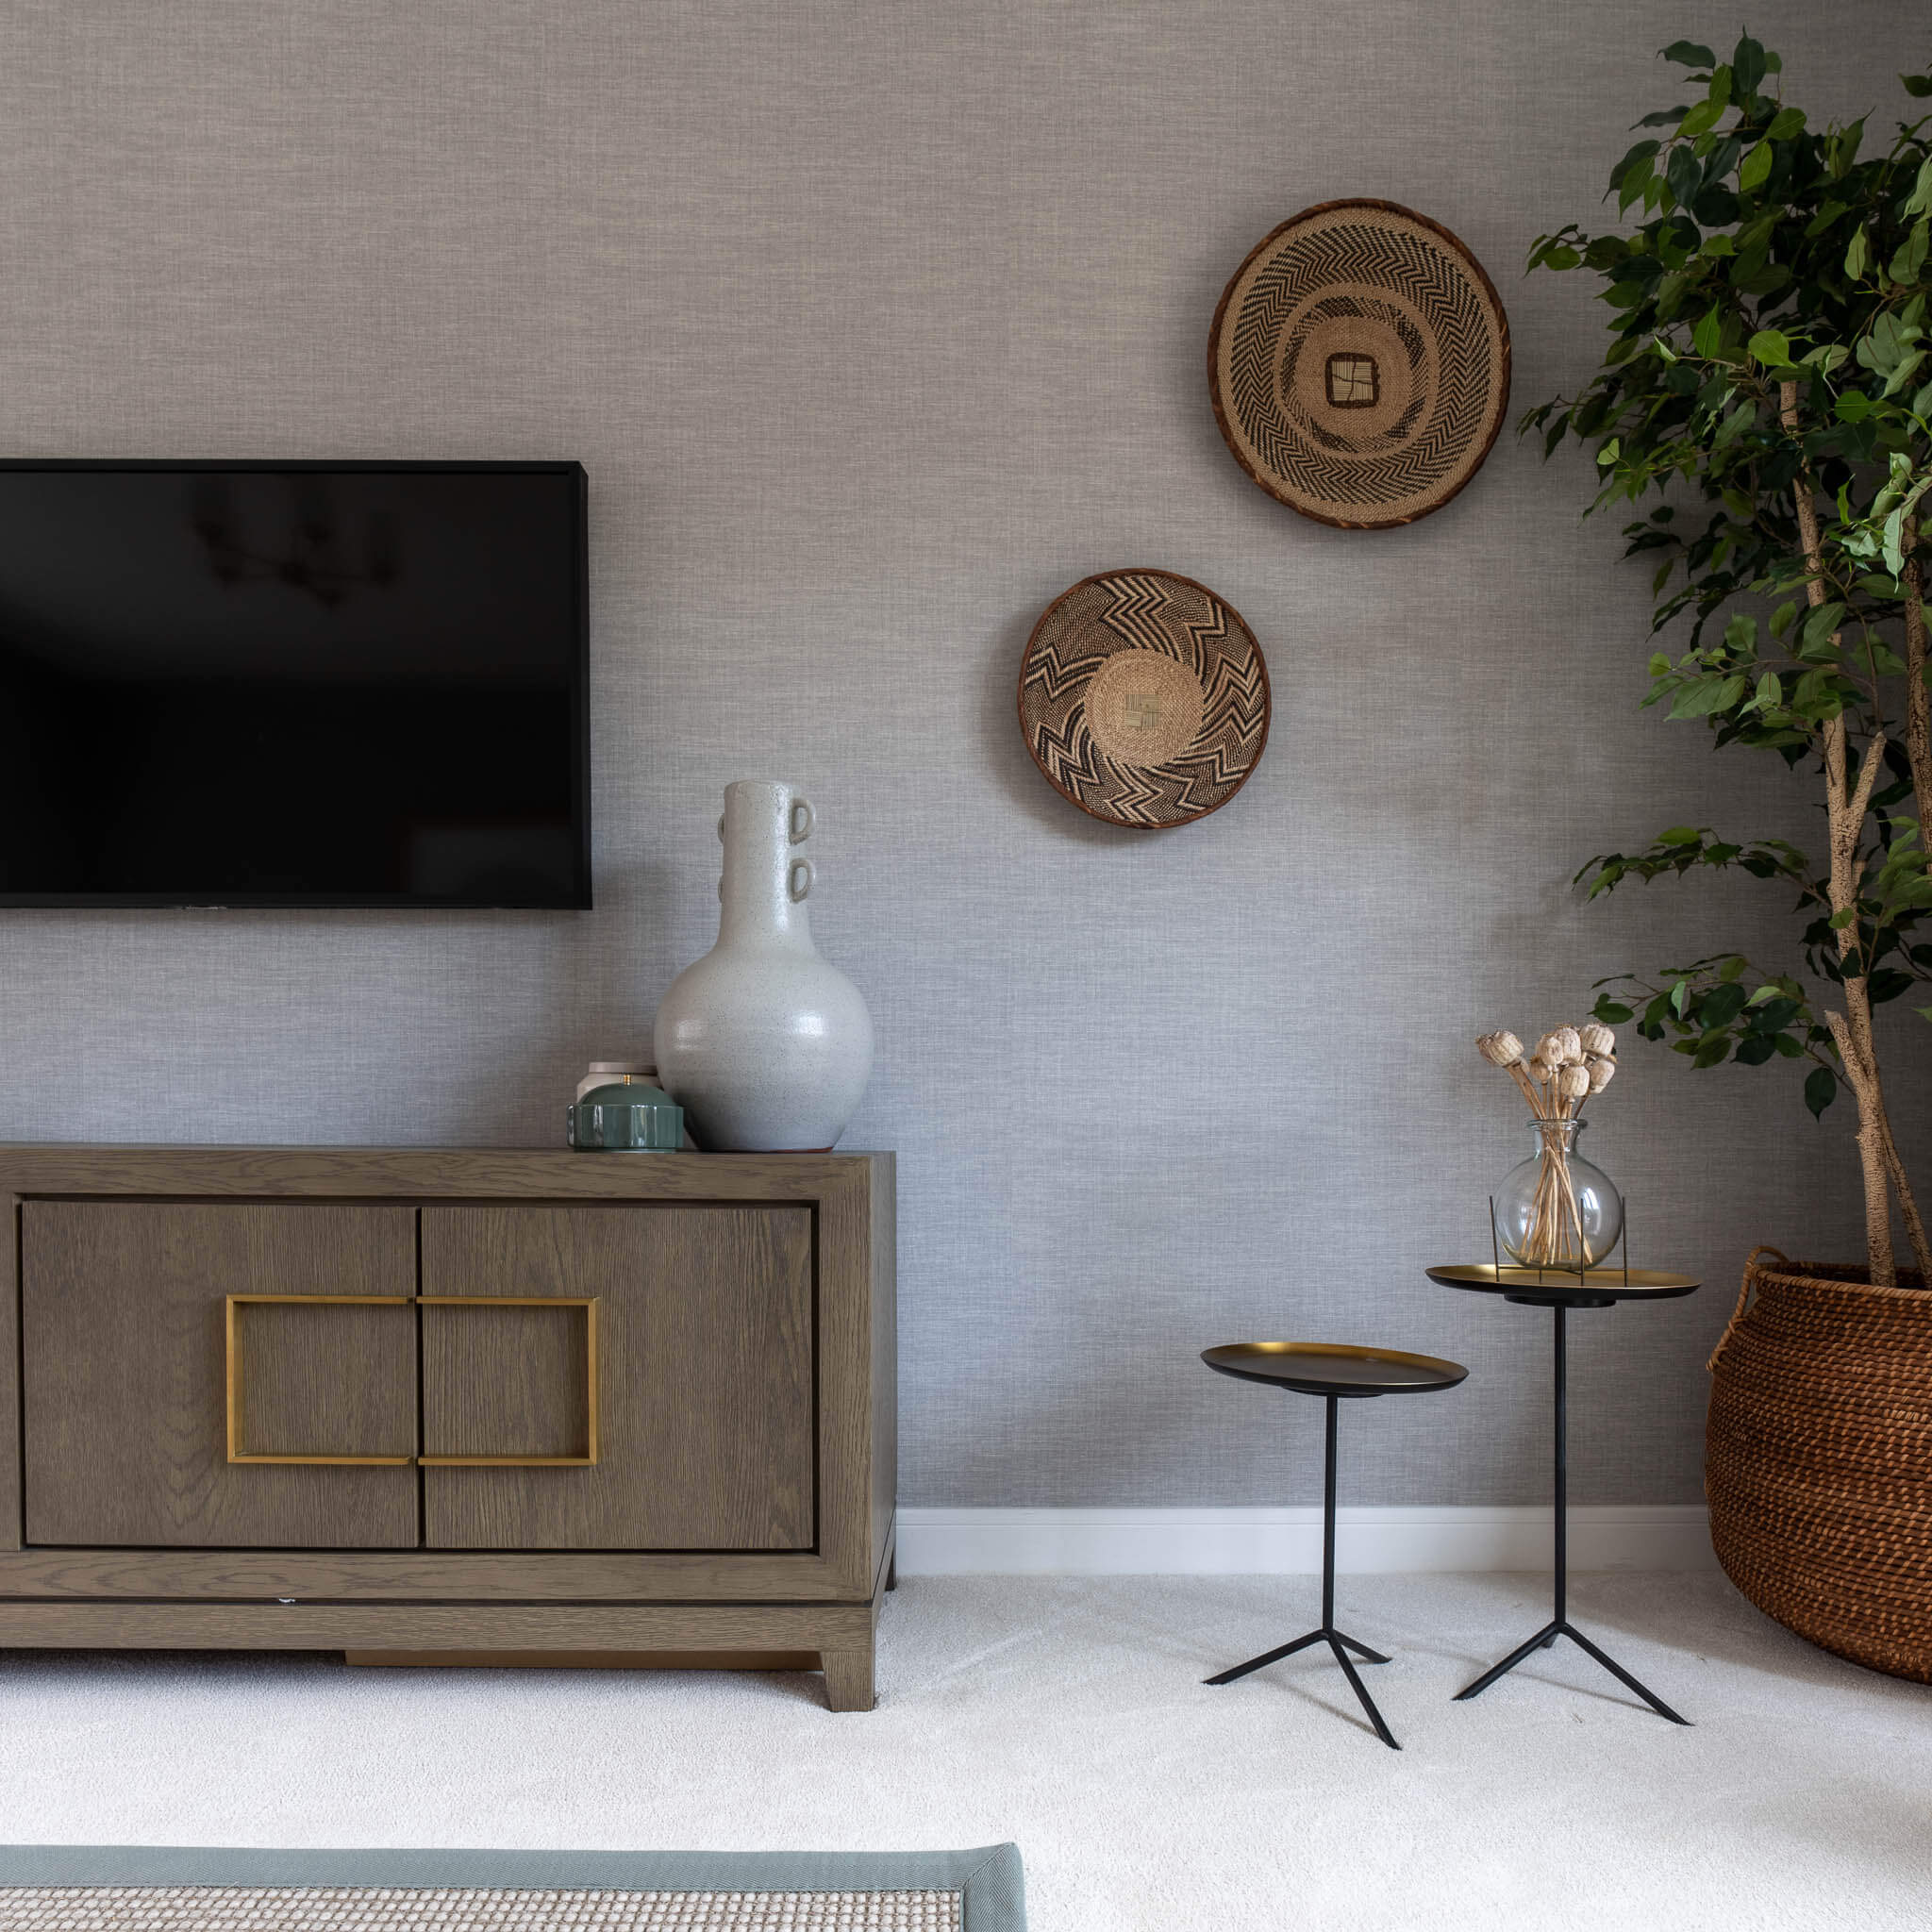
(169, 1889)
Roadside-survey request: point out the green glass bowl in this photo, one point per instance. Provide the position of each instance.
(625, 1117)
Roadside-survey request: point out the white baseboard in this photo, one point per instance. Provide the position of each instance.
(1277, 1541)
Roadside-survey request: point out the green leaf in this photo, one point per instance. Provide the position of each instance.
(1687, 54)
(1722, 1005)
(1756, 171)
(1772, 347)
(1922, 189)
(1680, 835)
(1819, 625)
(1916, 85)
(1712, 1050)
(1790, 1045)
(1821, 1089)
(1854, 407)
(1910, 254)
(1844, 148)
(1786, 123)
(1681, 171)
(1858, 257)
(1680, 995)
(1607, 454)
(1707, 337)
(1641, 152)
(1781, 618)
(1735, 424)
(1901, 376)
(1747, 65)
(1611, 1012)
(1755, 1051)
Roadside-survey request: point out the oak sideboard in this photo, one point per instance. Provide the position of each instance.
(441, 1406)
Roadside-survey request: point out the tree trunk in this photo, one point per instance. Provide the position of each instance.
(1846, 802)
(1918, 700)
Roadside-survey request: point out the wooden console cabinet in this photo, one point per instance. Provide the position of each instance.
(438, 1405)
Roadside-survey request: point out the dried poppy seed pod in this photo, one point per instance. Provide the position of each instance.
(1542, 1070)
(1573, 1082)
(1569, 1048)
(1602, 1070)
(1596, 1039)
(1500, 1049)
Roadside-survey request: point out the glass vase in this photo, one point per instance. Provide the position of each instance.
(1556, 1210)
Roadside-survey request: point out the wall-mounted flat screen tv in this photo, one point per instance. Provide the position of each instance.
(294, 683)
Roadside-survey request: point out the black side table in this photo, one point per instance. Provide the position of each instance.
(1332, 1371)
(1556, 1289)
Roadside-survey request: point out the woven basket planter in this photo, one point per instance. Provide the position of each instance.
(1818, 1458)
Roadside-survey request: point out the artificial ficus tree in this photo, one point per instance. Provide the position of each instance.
(1768, 381)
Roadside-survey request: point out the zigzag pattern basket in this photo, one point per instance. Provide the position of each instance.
(1144, 698)
(1818, 1458)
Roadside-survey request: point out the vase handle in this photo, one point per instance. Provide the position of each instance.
(801, 808)
(798, 887)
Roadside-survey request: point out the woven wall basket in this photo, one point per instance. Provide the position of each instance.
(1359, 364)
(1143, 698)
(1818, 1458)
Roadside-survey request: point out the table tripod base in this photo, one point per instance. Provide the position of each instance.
(1543, 1640)
(1340, 1646)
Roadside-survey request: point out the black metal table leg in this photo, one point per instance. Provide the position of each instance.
(1559, 1623)
(1326, 1633)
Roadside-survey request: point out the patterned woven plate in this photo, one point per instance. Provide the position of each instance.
(1359, 364)
(1144, 698)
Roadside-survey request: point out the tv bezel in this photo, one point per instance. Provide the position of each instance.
(580, 695)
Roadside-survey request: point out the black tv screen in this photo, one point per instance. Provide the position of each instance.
(294, 683)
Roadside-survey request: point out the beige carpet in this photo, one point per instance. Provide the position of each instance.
(1068, 1715)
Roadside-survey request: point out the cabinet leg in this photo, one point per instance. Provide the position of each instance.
(848, 1679)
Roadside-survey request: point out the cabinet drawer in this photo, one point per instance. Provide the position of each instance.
(130, 1364)
(695, 1366)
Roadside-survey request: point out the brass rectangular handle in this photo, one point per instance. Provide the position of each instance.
(232, 1375)
(588, 1303)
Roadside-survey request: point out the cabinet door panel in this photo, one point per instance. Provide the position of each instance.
(126, 1355)
(705, 1372)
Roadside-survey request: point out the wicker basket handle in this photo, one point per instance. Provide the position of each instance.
(1743, 1296)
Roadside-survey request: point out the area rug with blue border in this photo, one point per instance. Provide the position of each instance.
(209, 1888)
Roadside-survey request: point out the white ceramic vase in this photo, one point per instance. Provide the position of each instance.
(765, 1045)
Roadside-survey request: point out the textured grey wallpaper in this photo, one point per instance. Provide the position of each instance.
(876, 326)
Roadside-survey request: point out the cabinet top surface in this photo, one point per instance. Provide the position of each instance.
(428, 1172)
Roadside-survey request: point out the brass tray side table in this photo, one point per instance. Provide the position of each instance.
(1561, 1290)
(1332, 1371)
